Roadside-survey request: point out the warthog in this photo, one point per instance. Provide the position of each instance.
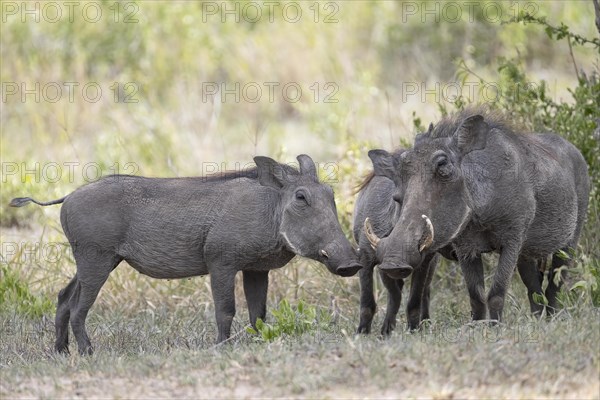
(252, 221)
(475, 183)
(379, 203)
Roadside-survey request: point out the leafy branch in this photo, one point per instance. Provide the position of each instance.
(555, 32)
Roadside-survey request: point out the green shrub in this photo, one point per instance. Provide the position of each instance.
(290, 321)
(15, 295)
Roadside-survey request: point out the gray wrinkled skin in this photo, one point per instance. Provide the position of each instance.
(252, 221)
(486, 188)
(380, 200)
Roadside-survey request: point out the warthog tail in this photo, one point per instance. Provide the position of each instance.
(21, 201)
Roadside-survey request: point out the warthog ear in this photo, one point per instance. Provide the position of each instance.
(472, 134)
(270, 172)
(384, 163)
(307, 166)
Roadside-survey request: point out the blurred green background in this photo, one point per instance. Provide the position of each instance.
(370, 74)
(373, 52)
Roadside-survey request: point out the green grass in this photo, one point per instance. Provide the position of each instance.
(14, 292)
(155, 338)
(161, 352)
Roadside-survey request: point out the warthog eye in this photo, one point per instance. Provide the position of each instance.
(301, 196)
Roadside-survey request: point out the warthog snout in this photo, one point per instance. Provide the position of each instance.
(348, 270)
(395, 265)
(340, 258)
(396, 271)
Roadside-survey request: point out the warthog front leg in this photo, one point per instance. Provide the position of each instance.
(394, 289)
(504, 272)
(222, 282)
(418, 301)
(368, 306)
(473, 273)
(553, 288)
(426, 290)
(256, 284)
(532, 278)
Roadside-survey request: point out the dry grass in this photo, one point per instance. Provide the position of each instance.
(162, 353)
(156, 339)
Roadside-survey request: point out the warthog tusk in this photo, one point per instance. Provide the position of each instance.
(324, 254)
(371, 236)
(429, 235)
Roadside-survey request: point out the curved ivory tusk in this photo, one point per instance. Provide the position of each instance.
(324, 254)
(371, 236)
(429, 235)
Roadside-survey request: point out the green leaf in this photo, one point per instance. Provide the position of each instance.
(563, 255)
(540, 299)
(251, 330)
(579, 285)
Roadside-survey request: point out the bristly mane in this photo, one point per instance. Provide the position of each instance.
(367, 179)
(250, 173)
(450, 123)
(495, 119)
